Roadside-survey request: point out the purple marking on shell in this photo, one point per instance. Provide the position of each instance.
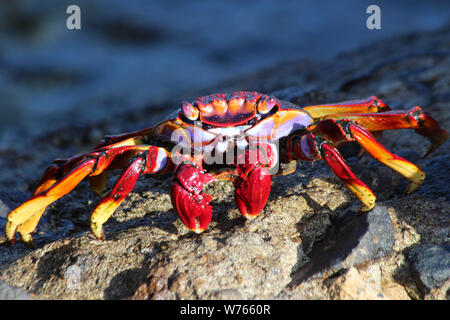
(198, 135)
(189, 111)
(263, 129)
(274, 127)
(301, 121)
(266, 104)
(185, 135)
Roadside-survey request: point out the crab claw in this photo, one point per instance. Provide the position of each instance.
(252, 189)
(191, 205)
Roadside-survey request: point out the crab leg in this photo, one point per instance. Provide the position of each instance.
(53, 173)
(50, 177)
(371, 104)
(414, 118)
(328, 152)
(39, 202)
(59, 167)
(153, 160)
(313, 147)
(25, 217)
(346, 130)
(139, 137)
(99, 183)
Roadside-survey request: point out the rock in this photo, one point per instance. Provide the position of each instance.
(12, 293)
(351, 239)
(431, 265)
(367, 283)
(4, 210)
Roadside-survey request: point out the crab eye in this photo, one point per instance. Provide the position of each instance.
(265, 105)
(189, 111)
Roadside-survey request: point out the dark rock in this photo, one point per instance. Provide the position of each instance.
(351, 239)
(431, 265)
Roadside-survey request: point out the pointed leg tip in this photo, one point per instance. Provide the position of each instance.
(30, 244)
(28, 240)
(10, 230)
(430, 150)
(434, 146)
(98, 239)
(366, 208)
(100, 236)
(97, 231)
(411, 188)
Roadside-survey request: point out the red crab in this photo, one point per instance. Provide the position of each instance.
(242, 137)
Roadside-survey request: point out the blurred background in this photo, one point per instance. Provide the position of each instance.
(133, 53)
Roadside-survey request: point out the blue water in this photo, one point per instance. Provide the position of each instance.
(132, 53)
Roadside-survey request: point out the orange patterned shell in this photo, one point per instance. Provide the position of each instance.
(224, 110)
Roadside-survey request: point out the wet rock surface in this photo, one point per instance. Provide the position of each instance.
(308, 220)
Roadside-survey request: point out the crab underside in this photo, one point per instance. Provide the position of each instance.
(244, 136)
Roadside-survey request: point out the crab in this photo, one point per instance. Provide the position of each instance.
(244, 137)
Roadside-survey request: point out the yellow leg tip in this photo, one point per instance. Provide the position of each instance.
(412, 187)
(97, 230)
(416, 182)
(368, 207)
(100, 215)
(10, 230)
(28, 239)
